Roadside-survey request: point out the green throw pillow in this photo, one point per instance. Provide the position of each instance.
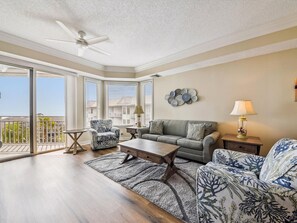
(196, 131)
(156, 127)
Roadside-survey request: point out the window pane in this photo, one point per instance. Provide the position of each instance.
(121, 101)
(14, 111)
(148, 101)
(91, 102)
(50, 103)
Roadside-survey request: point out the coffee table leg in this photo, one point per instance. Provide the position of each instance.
(171, 168)
(126, 158)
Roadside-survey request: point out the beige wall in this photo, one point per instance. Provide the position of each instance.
(267, 80)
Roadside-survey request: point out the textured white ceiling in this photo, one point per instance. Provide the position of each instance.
(141, 31)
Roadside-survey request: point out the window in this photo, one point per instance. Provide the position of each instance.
(120, 100)
(92, 110)
(147, 101)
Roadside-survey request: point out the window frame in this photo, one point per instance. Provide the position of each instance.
(142, 99)
(98, 98)
(106, 97)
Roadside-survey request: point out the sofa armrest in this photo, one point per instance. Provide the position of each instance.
(209, 143)
(223, 195)
(116, 130)
(211, 139)
(143, 131)
(239, 160)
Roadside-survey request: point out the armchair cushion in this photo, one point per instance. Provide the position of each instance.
(239, 160)
(103, 125)
(281, 164)
(226, 195)
(106, 136)
(232, 170)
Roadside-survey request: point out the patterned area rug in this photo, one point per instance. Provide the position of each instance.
(177, 196)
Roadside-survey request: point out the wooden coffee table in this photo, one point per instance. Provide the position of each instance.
(156, 152)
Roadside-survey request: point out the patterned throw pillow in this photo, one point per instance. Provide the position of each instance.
(280, 164)
(156, 127)
(195, 131)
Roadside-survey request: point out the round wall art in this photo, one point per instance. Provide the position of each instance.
(179, 97)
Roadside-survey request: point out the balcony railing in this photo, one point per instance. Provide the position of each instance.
(18, 132)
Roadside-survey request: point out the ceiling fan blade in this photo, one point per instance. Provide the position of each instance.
(97, 40)
(66, 29)
(60, 41)
(80, 51)
(99, 50)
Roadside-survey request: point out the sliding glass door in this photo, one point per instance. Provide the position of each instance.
(14, 111)
(50, 108)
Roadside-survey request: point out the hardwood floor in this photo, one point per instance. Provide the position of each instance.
(57, 187)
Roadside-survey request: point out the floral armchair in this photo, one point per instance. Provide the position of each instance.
(237, 187)
(103, 134)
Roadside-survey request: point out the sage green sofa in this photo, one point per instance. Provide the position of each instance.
(175, 132)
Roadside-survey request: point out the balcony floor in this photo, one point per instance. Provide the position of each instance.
(25, 148)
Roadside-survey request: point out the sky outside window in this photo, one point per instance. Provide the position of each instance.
(14, 100)
(118, 91)
(50, 95)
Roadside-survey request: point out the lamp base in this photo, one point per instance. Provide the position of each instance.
(240, 136)
(139, 124)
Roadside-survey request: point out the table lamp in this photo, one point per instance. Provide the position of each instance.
(242, 108)
(138, 111)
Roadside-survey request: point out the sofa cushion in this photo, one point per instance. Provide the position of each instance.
(280, 164)
(168, 139)
(175, 127)
(210, 127)
(156, 127)
(148, 136)
(189, 143)
(195, 131)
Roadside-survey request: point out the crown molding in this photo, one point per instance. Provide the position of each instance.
(273, 26)
(273, 48)
(12, 39)
(9, 38)
(119, 69)
(25, 62)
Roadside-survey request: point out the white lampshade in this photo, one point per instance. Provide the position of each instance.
(243, 107)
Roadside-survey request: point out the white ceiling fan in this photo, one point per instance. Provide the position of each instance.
(80, 41)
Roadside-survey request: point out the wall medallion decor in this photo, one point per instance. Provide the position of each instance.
(179, 97)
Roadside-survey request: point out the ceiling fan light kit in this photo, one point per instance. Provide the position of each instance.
(80, 41)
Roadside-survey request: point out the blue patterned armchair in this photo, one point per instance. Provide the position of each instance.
(103, 134)
(239, 187)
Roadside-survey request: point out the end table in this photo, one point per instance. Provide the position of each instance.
(251, 144)
(133, 130)
(75, 134)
